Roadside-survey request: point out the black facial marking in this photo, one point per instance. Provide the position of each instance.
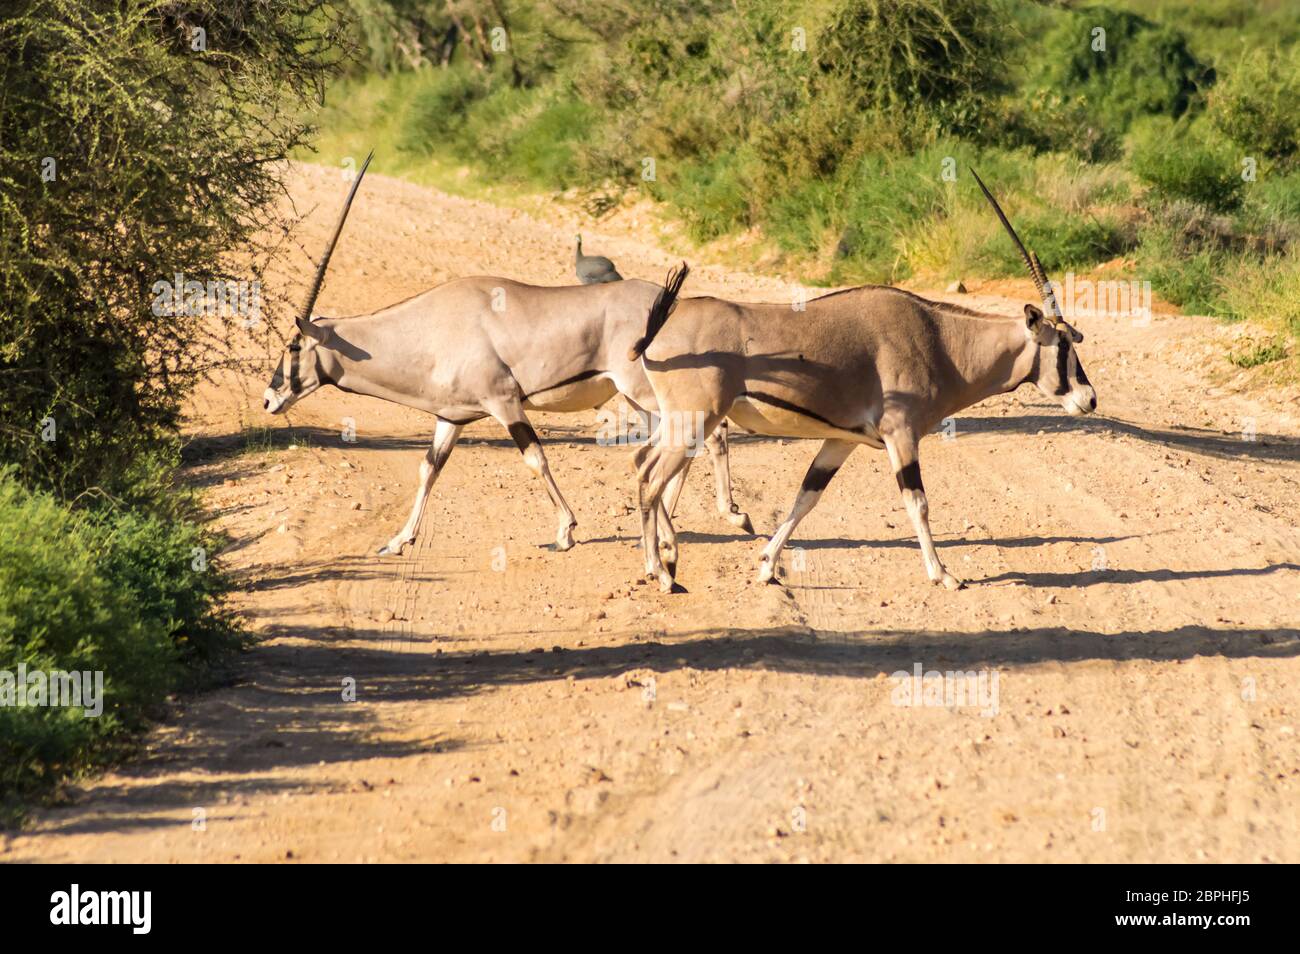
(1062, 368)
(1078, 370)
(524, 435)
(817, 478)
(909, 478)
(295, 382)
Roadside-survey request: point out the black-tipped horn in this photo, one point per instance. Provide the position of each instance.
(1031, 260)
(304, 319)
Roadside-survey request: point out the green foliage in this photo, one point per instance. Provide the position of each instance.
(1179, 163)
(1255, 355)
(896, 56)
(1181, 269)
(713, 197)
(112, 590)
(824, 128)
(133, 147)
(1145, 68)
(1256, 106)
(439, 109)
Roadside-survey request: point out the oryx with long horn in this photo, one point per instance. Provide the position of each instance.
(872, 365)
(485, 347)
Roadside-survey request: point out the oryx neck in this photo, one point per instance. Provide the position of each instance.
(989, 353)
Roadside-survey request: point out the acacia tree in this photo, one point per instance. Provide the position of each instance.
(139, 141)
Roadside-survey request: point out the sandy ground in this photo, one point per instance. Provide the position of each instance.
(1134, 590)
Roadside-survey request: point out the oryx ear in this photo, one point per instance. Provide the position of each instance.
(1076, 336)
(309, 329)
(1033, 317)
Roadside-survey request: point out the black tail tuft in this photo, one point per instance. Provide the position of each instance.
(660, 310)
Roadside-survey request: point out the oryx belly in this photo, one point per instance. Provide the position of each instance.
(777, 417)
(575, 395)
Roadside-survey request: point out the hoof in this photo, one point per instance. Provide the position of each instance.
(393, 547)
(950, 582)
(742, 521)
(668, 585)
(766, 571)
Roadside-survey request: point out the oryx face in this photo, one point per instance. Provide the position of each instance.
(297, 374)
(1058, 372)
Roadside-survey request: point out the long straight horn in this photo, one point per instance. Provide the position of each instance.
(1031, 260)
(304, 318)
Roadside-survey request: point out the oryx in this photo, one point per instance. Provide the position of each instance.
(479, 347)
(871, 365)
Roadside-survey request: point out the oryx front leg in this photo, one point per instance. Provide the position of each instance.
(444, 439)
(720, 455)
(531, 447)
(829, 459)
(902, 448)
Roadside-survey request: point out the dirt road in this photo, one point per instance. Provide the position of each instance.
(1135, 591)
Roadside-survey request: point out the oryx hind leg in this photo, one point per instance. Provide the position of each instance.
(663, 529)
(658, 463)
(445, 435)
(720, 456)
(902, 448)
(511, 415)
(829, 459)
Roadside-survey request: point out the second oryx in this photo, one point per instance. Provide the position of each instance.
(486, 347)
(872, 365)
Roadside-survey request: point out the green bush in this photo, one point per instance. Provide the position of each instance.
(111, 590)
(1145, 69)
(1179, 163)
(438, 111)
(1256, 105)
(899, 55)
(137, 141)
(1076, 241)
(713, 198)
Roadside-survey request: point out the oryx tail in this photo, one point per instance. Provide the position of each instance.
(660, 310)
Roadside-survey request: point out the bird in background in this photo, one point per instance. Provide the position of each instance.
(594, 269)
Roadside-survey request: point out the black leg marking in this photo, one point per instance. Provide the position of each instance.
(441, 455)
(909, 478)
(523, 434)
(817, 478)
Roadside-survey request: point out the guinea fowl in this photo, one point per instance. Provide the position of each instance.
(594, 269)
